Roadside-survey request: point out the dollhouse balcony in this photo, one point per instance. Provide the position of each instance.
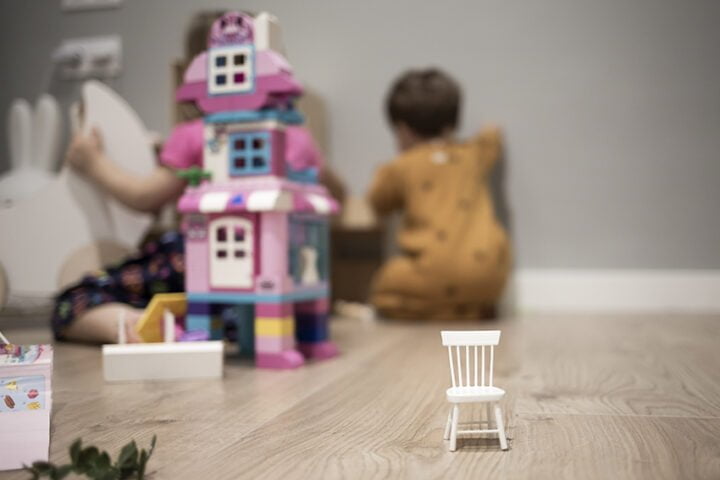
(262, 194)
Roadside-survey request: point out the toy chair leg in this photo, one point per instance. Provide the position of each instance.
(446, 435)
(501, 428)
(489, 414)
(454, 428)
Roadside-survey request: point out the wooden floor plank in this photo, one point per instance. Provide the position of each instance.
(601, 446)
(622, 365)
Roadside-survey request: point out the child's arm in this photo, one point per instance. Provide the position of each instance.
(386, 191)
(490, 143)
(142, 193)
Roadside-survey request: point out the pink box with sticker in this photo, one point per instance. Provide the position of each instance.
(25, 404)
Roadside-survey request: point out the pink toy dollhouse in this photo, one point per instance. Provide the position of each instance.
(256, 230)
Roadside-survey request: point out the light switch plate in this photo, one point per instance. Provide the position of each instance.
(78, 5)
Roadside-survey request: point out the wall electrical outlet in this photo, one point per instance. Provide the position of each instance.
(79, 5)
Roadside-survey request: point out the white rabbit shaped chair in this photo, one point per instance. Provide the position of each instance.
(52, 236)
(465, 386)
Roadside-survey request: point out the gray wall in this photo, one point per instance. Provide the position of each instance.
(611, 108)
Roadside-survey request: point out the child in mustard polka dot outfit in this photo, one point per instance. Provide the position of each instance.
(455, 256)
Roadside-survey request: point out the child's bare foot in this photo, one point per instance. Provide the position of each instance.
(100, 324)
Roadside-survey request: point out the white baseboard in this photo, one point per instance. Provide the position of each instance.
(610, 291)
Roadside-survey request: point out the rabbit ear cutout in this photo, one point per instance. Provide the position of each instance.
(47, 126)
(20, 133)
(75, 117)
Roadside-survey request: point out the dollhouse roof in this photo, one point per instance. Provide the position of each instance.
(267, 194)
(274, 83)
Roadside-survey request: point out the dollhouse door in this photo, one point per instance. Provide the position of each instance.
(231, 253)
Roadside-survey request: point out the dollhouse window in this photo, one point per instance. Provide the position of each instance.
(231, 70)
(250, 153)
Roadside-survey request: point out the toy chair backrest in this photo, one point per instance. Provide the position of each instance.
(465, 364)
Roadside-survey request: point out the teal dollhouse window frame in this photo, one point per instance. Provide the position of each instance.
(243, 153)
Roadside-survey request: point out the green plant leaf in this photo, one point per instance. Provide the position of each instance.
(31, 471)
(75, 449)
(43, 468)
(112, 474)
(38, 469)
(128, 456)
(96, 464)
(103, 462)
(86, 460)
(63, 471)
(101, 468)
(144, 457)
(152, 446)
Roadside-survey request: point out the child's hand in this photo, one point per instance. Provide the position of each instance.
(491, 144)
(84, 151)
(491, 131)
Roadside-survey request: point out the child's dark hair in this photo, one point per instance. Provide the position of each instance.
(426, 101)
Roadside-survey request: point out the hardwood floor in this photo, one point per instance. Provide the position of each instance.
(588, 397)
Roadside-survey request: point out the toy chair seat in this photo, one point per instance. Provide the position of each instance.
(474, 394)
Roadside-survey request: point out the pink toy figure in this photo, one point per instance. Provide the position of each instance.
(233, 28)
(257, 233)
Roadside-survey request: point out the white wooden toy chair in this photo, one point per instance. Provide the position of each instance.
(472, 382)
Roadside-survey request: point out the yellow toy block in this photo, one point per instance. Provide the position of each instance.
(275, 327)
(150, 325)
